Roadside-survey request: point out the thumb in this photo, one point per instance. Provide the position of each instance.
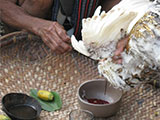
(119, 51)
(121, 46)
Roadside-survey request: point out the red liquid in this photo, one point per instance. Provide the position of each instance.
(97, 101)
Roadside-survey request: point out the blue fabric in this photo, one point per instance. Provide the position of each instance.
(55, 9)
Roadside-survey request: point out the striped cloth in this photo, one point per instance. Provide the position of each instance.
(2, 31)
(82, 9)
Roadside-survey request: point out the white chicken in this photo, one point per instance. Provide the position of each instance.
(137, 18)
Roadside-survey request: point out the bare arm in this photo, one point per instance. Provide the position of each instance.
(38, 8)
(19, 17)
(121, 45)
(26, 17)
(108, 4)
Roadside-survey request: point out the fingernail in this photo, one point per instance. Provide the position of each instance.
(70, 49)
(68, 37)
(119, 61)
(116, 52)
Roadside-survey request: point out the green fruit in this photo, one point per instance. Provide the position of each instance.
(3, 117)
(45, 95)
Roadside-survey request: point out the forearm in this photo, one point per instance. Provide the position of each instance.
(108, 4)
(52, 33)
(17, 17)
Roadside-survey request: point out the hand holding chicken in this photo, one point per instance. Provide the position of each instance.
(140, 21)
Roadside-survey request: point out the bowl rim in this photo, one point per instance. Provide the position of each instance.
(101, 79)
(82, 110)
(7, 112)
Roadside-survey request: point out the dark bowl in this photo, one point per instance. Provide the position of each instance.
(19, 106)
(95, 89)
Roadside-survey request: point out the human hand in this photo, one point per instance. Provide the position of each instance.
(54, 36)
(119, 49)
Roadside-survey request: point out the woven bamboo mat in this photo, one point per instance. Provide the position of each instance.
(26, 63)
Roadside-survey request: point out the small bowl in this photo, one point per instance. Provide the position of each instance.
(95, 89)
(19, 106)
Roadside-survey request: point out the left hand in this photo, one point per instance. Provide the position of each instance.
(119, 49)
(54, 36)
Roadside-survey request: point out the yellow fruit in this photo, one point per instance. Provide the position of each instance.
(45, 95)
(3, 117)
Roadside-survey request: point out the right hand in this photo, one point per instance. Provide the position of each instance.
(119, 49)
(54, 36)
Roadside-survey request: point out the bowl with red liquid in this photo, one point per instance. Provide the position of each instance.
(99, 97)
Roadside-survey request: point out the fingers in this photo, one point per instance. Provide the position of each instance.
(62, 33)
(119, 49)
(61, 44)
(117, 59)
(55, 37)
(54, 40)
(50, 42)
(121, 46)
(64, 39)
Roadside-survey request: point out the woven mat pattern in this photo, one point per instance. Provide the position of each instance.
(26, 63)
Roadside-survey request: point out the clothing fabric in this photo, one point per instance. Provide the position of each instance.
(81, 9)
(1, 29)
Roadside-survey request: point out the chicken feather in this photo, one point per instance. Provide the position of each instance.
(100, 34)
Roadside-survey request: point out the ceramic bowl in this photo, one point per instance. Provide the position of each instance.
(95, 89)
(19, 106)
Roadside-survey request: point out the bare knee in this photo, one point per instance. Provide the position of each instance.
(37, 8)
(43, 4)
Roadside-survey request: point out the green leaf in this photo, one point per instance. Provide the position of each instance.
(50, 106)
